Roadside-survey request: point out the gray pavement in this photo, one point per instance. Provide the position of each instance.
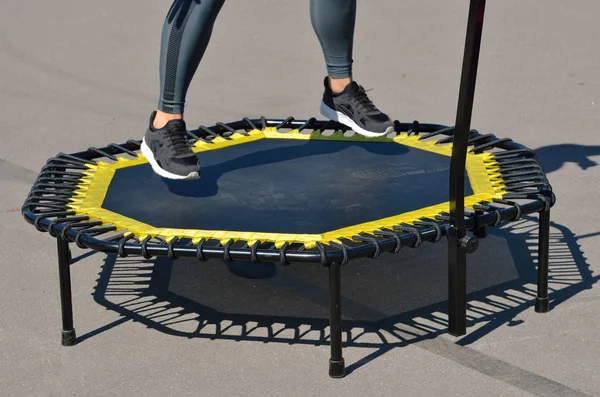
(78, 74)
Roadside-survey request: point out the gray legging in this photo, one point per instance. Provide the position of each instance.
(189, 25)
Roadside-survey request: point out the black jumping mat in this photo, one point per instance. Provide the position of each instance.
(286, 186)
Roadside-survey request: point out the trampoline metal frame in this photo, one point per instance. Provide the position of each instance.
(47, 208)
(90, 196)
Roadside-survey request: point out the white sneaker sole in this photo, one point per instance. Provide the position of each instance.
(165, 174)
(347, 121)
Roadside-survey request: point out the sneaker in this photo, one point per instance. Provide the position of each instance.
(168, 151)
(353, 108)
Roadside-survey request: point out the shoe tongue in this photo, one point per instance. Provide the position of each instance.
(352, 87)
(176, 125)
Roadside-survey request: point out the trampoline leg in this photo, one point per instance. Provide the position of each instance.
(480, 233)
(337, 368)
(542, 303)
(64, 262)
(457, 284)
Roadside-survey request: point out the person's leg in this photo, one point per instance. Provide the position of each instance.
(344, 100)
(185, 37)
(333, 22)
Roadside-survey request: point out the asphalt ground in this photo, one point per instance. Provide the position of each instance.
(79, 74)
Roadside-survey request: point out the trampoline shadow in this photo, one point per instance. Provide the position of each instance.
(388, 302)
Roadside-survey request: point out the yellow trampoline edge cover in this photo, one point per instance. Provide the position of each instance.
(482, 170)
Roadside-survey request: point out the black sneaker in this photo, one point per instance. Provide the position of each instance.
(168, 151)
(353, 108)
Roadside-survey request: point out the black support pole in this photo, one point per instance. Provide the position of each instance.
(542, 303)
(457, 236)
(457, 286)
(337, 368)
(64, 262)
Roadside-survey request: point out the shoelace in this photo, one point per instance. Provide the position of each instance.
(363, 100)
(177, 142)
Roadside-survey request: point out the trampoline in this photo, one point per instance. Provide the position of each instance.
(294, 191)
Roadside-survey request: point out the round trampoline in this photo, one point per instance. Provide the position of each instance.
(301, 191)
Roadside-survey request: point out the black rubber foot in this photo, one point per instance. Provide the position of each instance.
(457, 332)
(542, 305)
(337, 369)
(69, 338)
